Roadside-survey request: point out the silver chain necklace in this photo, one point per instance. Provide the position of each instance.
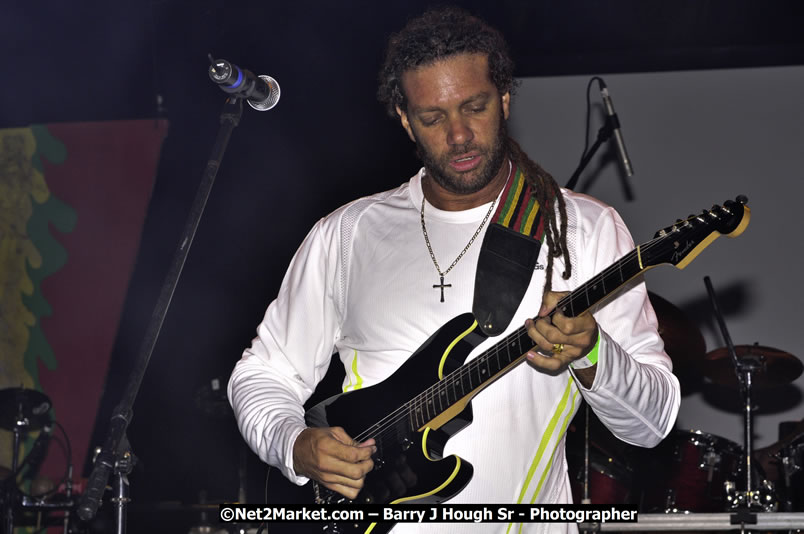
(454, 263)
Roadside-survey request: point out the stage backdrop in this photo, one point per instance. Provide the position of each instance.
(697, 138)
(73, 199)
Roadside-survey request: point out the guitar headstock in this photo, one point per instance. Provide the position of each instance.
(680, 243)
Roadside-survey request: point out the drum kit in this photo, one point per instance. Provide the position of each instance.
(28, 500)
(691, 470)
(42, 504)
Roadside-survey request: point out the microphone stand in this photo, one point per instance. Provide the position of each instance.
(603, 134)
(115, 455)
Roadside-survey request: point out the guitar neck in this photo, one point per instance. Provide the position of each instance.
(676, 245)
(602, 285)
(459, 386)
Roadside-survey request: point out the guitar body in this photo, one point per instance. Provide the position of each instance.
(409, 467)
(413, 412)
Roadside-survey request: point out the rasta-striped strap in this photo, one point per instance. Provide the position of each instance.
(508, 255)
(518, 209)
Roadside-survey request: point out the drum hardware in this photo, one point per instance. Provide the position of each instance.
(606, 477)
(670, 502)
(69, 492)
(55, 502)
(21, 411)
(706, 473)
(39, 513)
(745, 370)
(789, 466)
(703, 474)
(586, 499)
(790, 456)
(25, 409)
(598, 474)
(772, 367)
(608, 482)
(756, 521)
(763, 498)
(711, 460)
(693, 470)
(751, 366)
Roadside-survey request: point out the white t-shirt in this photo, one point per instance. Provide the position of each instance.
(362, 284)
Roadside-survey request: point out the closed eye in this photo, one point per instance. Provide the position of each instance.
(430, 120)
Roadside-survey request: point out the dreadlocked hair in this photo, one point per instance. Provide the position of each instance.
(438, 34)
(444, 32)
(549, 196)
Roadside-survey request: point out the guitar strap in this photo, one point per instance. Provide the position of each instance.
(508, 255)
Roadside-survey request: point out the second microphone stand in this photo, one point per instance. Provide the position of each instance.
(610, 124)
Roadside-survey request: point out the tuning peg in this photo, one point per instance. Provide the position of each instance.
(742, 199)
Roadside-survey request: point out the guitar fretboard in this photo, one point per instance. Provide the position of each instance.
(488, 365)
(496, 360)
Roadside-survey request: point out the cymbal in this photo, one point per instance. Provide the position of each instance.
(683, 341)
(777, 367)
(27, 409)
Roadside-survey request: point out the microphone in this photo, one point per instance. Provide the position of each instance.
(618, 136)
(38, 452)
(261, 92)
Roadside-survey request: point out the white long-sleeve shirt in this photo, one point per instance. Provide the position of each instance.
(362, 284)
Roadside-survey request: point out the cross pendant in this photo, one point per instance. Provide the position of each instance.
(442, 285)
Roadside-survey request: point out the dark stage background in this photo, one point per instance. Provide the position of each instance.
(327, 142)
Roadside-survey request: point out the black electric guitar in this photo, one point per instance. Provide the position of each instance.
(413, 413)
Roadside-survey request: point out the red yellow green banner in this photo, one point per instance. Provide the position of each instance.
(73, 199)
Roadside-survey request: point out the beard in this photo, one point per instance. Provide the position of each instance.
(466, 183)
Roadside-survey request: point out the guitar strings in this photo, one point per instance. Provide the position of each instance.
(428, 397)
(421, 402)
(463, 371)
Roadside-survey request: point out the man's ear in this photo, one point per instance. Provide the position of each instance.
(403, 118)
(506, 102)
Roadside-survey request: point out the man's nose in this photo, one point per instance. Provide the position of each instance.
(459, 132)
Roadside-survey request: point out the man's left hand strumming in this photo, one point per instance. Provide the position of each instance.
(562, 340)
